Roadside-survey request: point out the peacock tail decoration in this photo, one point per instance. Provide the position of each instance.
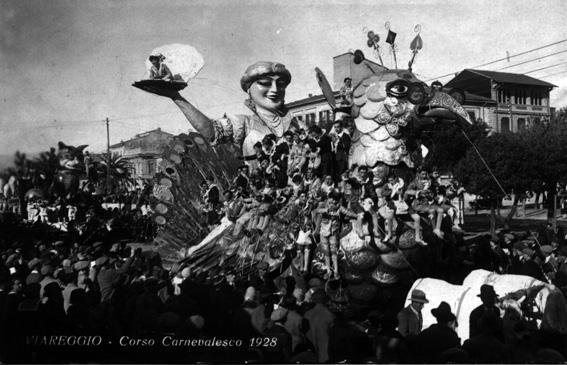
(176, 197)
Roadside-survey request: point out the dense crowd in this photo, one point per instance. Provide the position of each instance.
(124, 216)
(121, 293)
(68, 286)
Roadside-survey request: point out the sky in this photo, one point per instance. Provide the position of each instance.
(67, 65)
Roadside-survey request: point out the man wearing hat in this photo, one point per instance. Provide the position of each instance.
(410, 319)
(428, 345)
(320, 321)
(281, 352)
(488, 297)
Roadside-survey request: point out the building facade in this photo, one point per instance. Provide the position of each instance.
(143, 152)
(513, 101)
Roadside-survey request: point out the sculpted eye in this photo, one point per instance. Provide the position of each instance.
(399, 89)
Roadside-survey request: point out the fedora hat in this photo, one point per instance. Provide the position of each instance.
(443, 313)
(487, 291)
(418, 296)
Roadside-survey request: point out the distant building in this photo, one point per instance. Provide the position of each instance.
(507, 102)
(144, 152)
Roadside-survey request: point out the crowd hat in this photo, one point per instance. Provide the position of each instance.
(47, 270)
(197, 321)
(547, 249)
(487, 291)
(101, 261)
(443, 313)
(261, 69)
(319, 296)
(278, 314)
(418, 296)
(81, 265)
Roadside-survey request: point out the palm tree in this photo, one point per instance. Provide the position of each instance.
(120, 177)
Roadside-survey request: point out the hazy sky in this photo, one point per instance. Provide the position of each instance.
(67, 65)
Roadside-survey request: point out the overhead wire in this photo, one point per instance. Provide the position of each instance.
(545, 68)
(532, 60)
(503, 59)
(553, 74)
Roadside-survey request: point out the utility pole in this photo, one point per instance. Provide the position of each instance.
(107, 157)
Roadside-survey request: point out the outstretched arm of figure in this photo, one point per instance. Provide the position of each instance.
(196, 118)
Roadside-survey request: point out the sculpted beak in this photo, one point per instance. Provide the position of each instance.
(442, 106)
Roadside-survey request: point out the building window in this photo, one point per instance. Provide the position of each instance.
(520, 96)
(310, 119)
(521, 124)
(505, 124)
(324, 118)
(536, 98)
(472, 115)
(504, 95)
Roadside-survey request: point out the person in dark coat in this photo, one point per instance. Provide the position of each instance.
(410, 319)
(529, 267)
(433, 341)
(341, 142)
(320, 319)
(347, 341)
(488, 297)
(323, 143)
(485, 347)
(280, 352)
(242, 180)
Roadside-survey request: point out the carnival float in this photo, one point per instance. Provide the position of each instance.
(391, 108)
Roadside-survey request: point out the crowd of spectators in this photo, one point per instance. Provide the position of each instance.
(145, 313)
(124, 294)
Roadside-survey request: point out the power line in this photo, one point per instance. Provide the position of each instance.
(557, 73)
(505, 58)
(545, 68)
(534, 59)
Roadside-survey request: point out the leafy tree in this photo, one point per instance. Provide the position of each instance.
(546, 144)
(448, 145)
(510, 162)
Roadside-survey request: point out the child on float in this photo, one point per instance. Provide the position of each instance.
(387, 210)
(297, 156)
(159, 70)
(249, 211)
(367, 224)
(329, 229)
(419, 189)
(444, 199)
(328, 185)
(305, 237)
(311, 182)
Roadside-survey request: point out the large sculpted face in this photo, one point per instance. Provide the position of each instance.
(70, 157)
(268, 92)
